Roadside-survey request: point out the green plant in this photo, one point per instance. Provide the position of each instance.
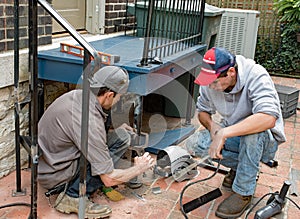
(284, 57)
(287, 59)
(289, 12)
(264, 52)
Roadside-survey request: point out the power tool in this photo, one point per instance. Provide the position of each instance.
(275, 203)
(177, 162)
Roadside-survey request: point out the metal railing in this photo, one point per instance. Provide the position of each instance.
(34, 90)
(168, 26)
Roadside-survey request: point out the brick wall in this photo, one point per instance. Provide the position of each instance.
(115, 15)
(7, 25)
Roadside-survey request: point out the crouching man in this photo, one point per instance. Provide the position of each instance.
(60, 143)
(251, 126)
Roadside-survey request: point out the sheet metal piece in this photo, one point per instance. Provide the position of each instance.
(294, 177)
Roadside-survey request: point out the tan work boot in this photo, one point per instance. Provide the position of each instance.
(67, 204)
(229, 178)
(233, 206)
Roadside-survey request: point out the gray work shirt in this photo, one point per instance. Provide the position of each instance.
(59, 138)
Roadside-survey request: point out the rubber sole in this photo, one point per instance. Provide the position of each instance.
(66, 209)
(232, 216)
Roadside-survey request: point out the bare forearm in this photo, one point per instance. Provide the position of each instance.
(253, 124)
(119, 176)
(205, 120)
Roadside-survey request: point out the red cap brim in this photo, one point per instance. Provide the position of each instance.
(206, 78)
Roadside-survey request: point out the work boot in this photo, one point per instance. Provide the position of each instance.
(233, 206)
(229, 178)
(67, 204)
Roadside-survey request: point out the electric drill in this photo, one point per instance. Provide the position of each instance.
(274, 204)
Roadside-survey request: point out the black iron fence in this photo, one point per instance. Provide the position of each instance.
(30, 142)
(168, 26)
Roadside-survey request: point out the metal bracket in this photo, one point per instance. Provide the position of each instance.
(15, 193)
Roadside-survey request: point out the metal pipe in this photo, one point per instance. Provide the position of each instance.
(190, 97)
(202, 8)
(154, 36)
(138, 114)
(144, 61)
(162, 12)
(180, 10)
(16, 84)
(84, 133)
(175, 42)
(173, 22)
(33, 69)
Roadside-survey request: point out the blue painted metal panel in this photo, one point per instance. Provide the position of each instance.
(53, 68)
(58, 66)
(161, 140)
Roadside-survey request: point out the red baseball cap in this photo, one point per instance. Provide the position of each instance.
(215, 61)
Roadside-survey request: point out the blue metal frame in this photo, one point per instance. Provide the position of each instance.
(57, 66)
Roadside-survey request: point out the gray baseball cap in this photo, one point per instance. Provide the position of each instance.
(112, 77)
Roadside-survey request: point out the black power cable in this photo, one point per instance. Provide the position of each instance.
(192, 183)
(15, 204)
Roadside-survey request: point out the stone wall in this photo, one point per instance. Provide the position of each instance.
(8, 98)
(8, 95)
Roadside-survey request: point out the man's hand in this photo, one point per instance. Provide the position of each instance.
(144, 162)
(118, 176)
(217, 145)
(127, 127)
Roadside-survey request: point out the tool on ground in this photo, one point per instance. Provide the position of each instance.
(138, 196)
(275, 204)
(272, 163)
(197, 202)
(156, 190)
(209, 166)
(177, 162)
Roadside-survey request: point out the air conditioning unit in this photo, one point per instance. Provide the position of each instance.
(238, 31)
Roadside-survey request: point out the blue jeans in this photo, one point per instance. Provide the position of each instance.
(243, 155)
(118, 142)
